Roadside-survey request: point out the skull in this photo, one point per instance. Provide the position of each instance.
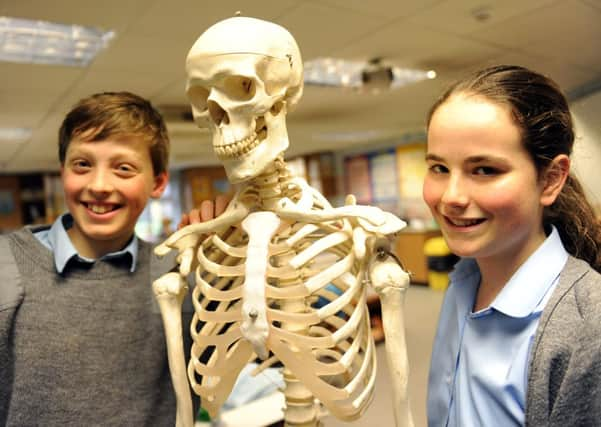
(244, 74)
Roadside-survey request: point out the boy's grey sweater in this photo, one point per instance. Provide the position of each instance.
(83, 348)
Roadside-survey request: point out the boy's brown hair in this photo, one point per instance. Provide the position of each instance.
(117, 114)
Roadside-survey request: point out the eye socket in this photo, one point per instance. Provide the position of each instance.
(198, 96)
(240, 88)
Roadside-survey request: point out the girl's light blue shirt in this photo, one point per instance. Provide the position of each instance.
(479, 367)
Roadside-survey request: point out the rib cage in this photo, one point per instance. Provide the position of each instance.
(318, 320)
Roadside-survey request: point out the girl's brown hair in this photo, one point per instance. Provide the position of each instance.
(541, 111)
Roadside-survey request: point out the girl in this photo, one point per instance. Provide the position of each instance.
(519, 335)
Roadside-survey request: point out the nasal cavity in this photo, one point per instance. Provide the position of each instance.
(218, 114)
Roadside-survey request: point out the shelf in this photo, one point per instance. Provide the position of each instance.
(410, 250)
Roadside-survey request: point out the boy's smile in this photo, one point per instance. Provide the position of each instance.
(100, 208)
(107, 184)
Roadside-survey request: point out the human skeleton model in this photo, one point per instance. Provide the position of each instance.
(262, 265)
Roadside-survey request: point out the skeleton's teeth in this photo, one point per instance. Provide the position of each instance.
(237, 148)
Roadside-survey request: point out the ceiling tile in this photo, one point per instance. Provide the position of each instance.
(7, 152)
(145, 84)
(468, 16)
(107, 14)
(37, 77)
(389, 9)
(569, 77)
(173, 93)
(140, 54)
(25, 108)
(320, 30)
(186, 20)
(558, 21)
(414, 46)
(570, 24)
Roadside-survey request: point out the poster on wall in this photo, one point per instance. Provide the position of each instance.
(202, 189)
(357, 179)
(221, 186)
(411, 171)
(384, 181)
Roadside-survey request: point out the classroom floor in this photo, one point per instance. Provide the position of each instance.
(422, 305)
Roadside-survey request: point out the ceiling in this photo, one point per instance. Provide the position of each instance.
(561, 38)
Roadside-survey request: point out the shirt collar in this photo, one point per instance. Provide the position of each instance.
(64, 251)
(464, 280)
(463, 269)
(527, 288)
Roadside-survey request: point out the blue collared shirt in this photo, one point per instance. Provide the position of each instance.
(57, 240)
(479, 367)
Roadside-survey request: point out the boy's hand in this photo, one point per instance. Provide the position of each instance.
(208, 210)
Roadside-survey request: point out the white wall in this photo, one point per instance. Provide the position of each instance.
(586, 158)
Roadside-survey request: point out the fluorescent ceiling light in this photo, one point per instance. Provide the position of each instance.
(15, 134)
(333, 72)
(41, 42)
(406, 76)
(360, 74)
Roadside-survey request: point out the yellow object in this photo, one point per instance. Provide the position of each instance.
(440, 262)
(438, 281)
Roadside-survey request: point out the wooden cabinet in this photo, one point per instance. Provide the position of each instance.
(203, 183)
(33, 202)
(11, 216)
(34, 198)
(410, 250)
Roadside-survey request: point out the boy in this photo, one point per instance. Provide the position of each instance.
(81, 340)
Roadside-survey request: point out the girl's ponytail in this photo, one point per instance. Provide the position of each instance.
(579, 229)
